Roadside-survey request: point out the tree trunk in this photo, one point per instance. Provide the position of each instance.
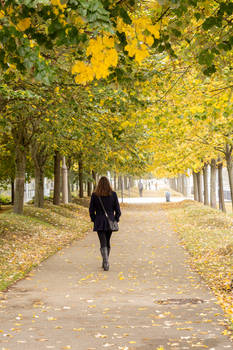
(94, 179)
(39, 187)
(39, 156)
(199, 187)
(85, 187)
(69, 186)
(69, 179)
(80, 177)
(184, 185)
(229, 161)
(205, 181)
(119, 183)
(115, 182)
(195, 190)
(12, 192)
(19, 179)
(213, 202)
(89, 188)
(179, 184)
(121, 187)
(131, 181)
(57, 178)
(220, 187)
(125, 182)
(64, 181)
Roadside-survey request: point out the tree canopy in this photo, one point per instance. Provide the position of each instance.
(132, 86)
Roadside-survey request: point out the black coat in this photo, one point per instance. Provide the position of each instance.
(96, 211)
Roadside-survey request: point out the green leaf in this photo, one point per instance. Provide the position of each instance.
(210, 70)
(176, 32)
(205, 57)
(211, 22)
(225, 45)
(124, 15)
(197, 15)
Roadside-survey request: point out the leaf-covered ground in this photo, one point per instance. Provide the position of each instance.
(26, 240)
(208, 236)
(149, 299)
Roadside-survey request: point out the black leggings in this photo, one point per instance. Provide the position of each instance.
(104, 237)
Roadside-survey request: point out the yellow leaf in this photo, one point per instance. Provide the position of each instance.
(51, 319)
(24, 24)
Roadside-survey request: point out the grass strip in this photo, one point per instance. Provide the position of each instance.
(28, 239)
(208, 236)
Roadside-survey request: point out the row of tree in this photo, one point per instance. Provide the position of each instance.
(205, 191)
(150, 88)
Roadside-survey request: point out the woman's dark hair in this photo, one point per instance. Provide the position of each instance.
(103, 188)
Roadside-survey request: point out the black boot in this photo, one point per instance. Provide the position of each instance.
(104, 253)
(109, 251)
(108, 256)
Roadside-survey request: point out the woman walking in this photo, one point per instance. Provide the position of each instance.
(110, 204)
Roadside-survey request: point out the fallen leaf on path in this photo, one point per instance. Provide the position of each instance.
(99, 335)
(51, 319)
(107, 345)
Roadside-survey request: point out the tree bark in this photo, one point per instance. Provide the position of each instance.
(39, 187)
(220, 187)
(213, 202)
(115, 182)
(195, 190)
(199, 187)
(184, 185)
(229, 160)
(122, 187)
(119, 183)
(89, 188)
(80, 176)
(19, 179)
(69, 179)
(131, 181)
(125, 182)
(94, 179)
(57, 178)
(39, 156)
(69, 186)
(179, 184)
(205, 181)
(64, 181)
(12, 192)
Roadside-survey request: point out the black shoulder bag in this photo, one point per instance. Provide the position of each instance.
(113, 224)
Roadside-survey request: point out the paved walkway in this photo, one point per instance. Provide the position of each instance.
(145, 200)
(148, 299)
